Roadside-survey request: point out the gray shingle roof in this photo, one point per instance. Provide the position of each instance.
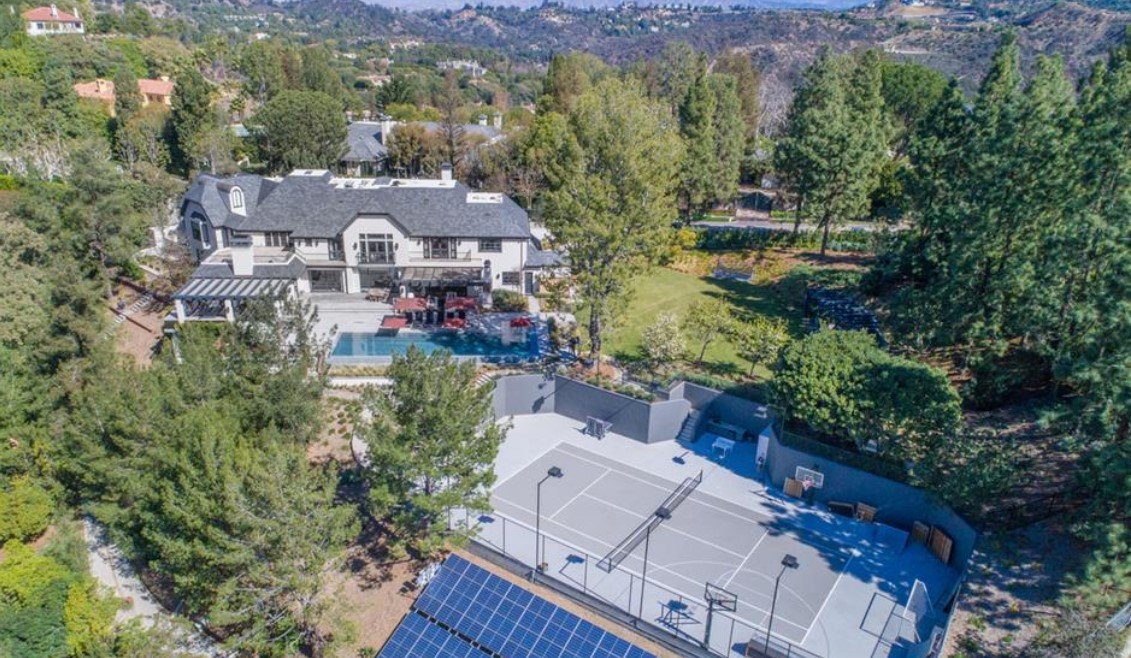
(311, 207)
(364, 141)
(292, 269)
(211, 192)
(487, 132)
(537, 258)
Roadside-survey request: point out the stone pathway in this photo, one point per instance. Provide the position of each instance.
(110, 568)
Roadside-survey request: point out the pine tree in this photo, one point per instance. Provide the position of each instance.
(698, 175)
(431, 442)
(127, 95)
(192, 115)
(730, 138)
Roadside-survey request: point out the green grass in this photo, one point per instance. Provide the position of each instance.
(667, 291)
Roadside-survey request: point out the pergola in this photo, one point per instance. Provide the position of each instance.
(443, 276)
(224, 293)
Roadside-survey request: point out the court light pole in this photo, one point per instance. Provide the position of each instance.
(787, 562)
(663, 514)
(553, 472)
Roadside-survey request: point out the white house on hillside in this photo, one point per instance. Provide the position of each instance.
(49, 21)
(380, 238)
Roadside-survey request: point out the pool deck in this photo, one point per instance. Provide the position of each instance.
(341, 313)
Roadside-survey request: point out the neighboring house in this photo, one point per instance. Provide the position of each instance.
(312, 233)
(158, 91)
(43, 21)
(367, 142)
(471, 67)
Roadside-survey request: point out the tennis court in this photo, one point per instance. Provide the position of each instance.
(598, 502)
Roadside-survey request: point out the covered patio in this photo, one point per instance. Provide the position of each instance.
(221, 298)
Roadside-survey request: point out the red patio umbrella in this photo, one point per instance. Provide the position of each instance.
(522, 321)
(409, 304)
(460, 304)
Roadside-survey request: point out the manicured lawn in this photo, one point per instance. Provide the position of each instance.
(666, 291)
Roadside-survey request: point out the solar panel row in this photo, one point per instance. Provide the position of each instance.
(501, 617)
(416, 637)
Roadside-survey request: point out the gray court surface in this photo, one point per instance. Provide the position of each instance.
(599, 502)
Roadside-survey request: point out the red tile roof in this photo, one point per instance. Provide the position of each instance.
(155, 87)
(104, 89)
(44, 14)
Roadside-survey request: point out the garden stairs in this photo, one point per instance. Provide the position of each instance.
(687, 433)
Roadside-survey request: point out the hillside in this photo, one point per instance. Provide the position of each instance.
(958, 41)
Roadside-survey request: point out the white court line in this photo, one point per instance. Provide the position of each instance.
(580, 493)
(664, 526)
(669, 490)
(654, 568)
(528, 465)
(746, 559)
(828, 597)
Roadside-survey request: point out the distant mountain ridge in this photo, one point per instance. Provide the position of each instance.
(421, 5)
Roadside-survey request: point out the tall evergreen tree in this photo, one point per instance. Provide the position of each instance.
(192, 116)
(698, 175)
(836, 139)
(431, 443)
(611, 206)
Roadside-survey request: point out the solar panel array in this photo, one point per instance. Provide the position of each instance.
(482, 614)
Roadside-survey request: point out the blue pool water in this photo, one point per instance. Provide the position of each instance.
(359, 346)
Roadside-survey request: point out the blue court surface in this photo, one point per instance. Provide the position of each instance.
(468, 611)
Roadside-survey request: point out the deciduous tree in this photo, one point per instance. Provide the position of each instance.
(610, 209)
(302, 129)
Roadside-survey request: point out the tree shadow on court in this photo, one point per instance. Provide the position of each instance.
(857, 550)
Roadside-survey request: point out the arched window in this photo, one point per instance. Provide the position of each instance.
(236, 198)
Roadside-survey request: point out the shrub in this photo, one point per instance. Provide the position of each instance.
(25, 510)
(841, 384)
(508, 301)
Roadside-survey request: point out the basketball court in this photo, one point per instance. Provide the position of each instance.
(598, 503)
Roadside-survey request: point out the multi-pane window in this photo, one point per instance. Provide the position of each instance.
(375, 248)
(511, 278)
(440, 248)
(491, 245)
(276, 239)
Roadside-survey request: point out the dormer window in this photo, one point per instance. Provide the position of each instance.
(235, 198)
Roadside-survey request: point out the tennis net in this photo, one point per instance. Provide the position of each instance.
(637, 536)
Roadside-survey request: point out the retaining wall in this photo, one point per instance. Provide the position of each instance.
(897, 504)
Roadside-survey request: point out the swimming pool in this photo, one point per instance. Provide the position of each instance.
(359, 347)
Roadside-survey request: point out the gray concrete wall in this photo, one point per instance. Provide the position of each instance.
(523, 394)
(629, 417)
(666, 419)
(898, 504)
(713, 404)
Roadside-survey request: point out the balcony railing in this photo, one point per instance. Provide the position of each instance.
(441, 257)
(375, 258)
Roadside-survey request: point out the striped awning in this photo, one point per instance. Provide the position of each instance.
(197, 290)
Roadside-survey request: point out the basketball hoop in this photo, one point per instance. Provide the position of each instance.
(717, 598)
